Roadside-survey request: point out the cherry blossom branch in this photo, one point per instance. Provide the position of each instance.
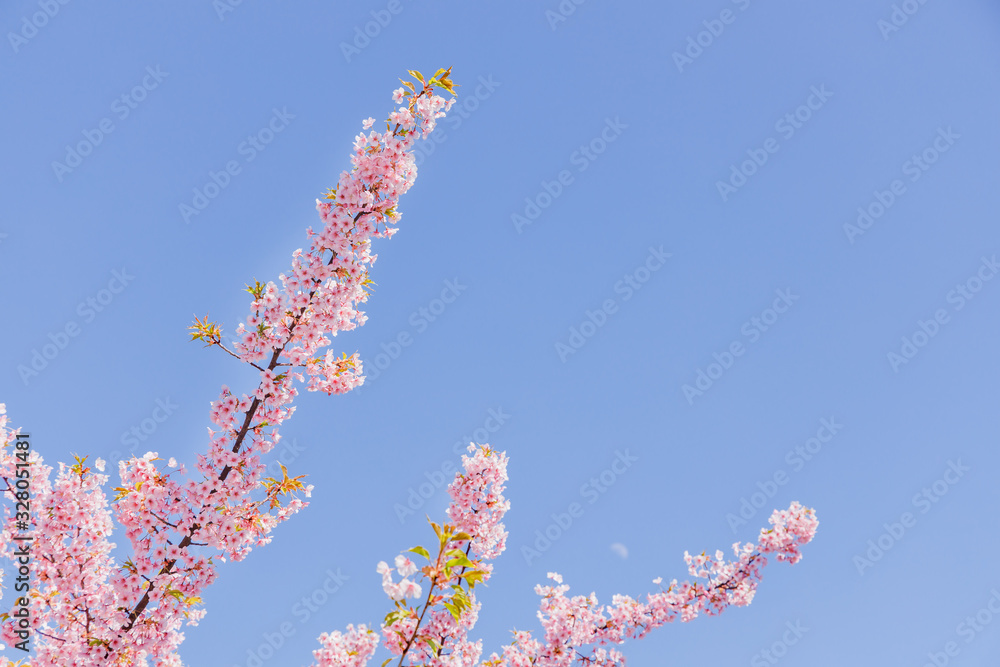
(89, 611)
(473, 536)
(576, 630)
(210, 333)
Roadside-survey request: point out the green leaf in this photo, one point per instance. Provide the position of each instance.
(416, 74)
(454, 611)
(461, 561)
(473, 577)
(420, 550)
(257, 289)
(386, 662)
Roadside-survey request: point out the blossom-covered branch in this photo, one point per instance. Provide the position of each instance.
(88, 611)
(576, 630)
(435, 633)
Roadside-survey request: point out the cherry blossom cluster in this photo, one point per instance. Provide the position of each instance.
(92, 612)
(405, 588)
(435, 633)
(71, 553)
(577, 629)
(477, 505)
(352, 649)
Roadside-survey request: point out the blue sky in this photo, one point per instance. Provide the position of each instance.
(745, 161)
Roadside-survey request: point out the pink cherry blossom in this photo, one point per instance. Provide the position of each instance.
(405, 566)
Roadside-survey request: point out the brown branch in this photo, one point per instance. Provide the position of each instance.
(427, 605)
